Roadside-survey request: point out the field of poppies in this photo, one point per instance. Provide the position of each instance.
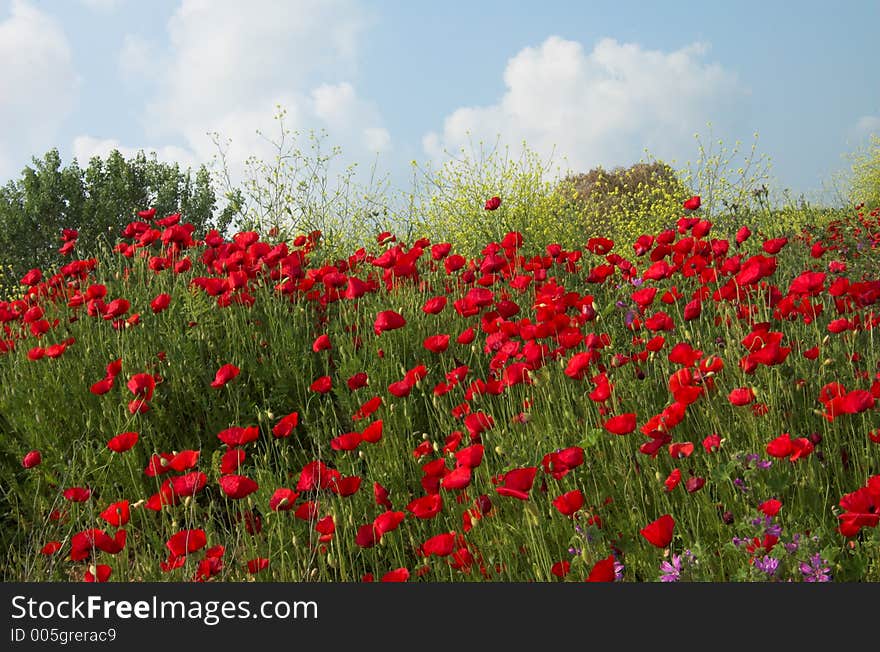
(702, 404)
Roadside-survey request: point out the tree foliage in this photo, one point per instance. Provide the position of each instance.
(625, 201)
(97, 201)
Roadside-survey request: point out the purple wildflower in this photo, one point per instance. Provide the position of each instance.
(816, 570)
(767, 565)
(671, 572)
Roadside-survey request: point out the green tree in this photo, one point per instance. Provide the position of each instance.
(97, 201)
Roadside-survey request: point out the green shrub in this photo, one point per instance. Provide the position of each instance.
(623, 203)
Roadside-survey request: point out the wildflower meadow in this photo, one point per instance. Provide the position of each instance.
(697, 403)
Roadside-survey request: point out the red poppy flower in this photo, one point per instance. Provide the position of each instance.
(692, 204)
(186, 541)
(366, 536)
(77, 494)
(426, 507)
(160, 303)
(600, 246)
(579, 364)
(224, 374)
(33, 277)
(770, 507)
(471, 456)
(712, 443)
(346, 486)
(117, 514)
(603, 570)
(380, 495)
(741, 396)
(793, 449)
(440, 545)
(387, 522)
(659, 533)
(321, 343)
(672, 479)
(857, 401)
(231, 460)
(82, 543)
(254, 566)
(368, 408)
(373, 432)
(434, 305)
(325, 527)
(862, 508)
(123, 442)
(142, 385)
(467, 336)
(388, 320)
(50, 548)
(285, 425)
(774, 245)
(346, 442)
(188, 484)
(436, 343)
(238, 436)
(477, 423)
(569, 502)
(694, 483)
(561, 568)
(102, 386)
(459, 478)
(237, 486)
(283, 500)
(322, 385)
(517, 483)
(116, 308)
(622, 424)
(680, 450)
(317, 475)
(31, 459)
(396, 575)
(492, 203)
(357, 381)
(99, 573)
(559, 463)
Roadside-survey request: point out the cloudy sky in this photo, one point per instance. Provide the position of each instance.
(592, 82)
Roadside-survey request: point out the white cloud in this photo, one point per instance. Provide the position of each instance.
(38, 85)
(138, 59)
(85, 147)
(229, 64)
(604, 107)
(225, 55)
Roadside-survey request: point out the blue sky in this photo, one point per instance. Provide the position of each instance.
(595, 82)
